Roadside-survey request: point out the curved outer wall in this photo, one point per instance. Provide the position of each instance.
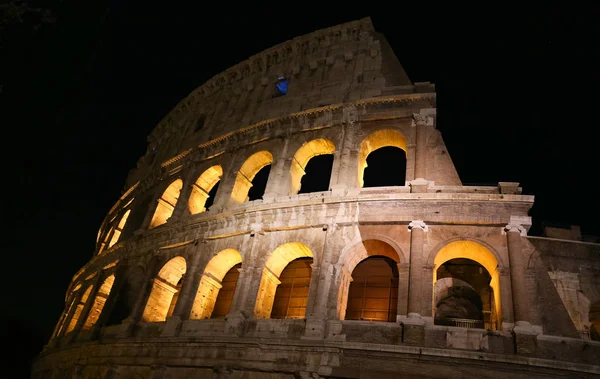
(142, 306)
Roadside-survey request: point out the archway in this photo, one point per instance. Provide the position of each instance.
(217, 286)
(377, 140)
(245, 176)
(466, 286)
(119, 229)
(204, 189)
(372, 289)
(78, 309)
(594, 317)
(165, 291)
(300, 176)
(99, 302)
(291, 301)
(166, 203)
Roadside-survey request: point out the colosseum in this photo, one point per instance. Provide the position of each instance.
(255, 240)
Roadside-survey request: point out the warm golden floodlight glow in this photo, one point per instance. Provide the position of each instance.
(276, 262)
(99, 302)
(166, 203)
(202, 188)
(165, 290)
(374, 141)
(78, 309)
(119, 229)
(307, 151)
(211, 282)
(249, 169)
(480, 254)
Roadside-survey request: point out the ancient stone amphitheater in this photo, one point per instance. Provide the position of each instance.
(252, 241)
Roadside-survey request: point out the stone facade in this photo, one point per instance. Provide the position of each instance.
(179, 288)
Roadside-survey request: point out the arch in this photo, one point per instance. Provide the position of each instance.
(305, 153)
(594, 319)
(119, 229)
(275, 263)
(247, 172)
(211, 282)
(165, 291)
(166, 203)
(128, 294)
(78, 309)
(476, 252)
(202, 187)
(373, 290)
(374, 141)
(374, 246)
(99, 302)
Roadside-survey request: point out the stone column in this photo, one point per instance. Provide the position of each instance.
(181, 208)
(187, 295)
(421, 123)
(278, 183)
(109, 305)
(524, 334)
(413, 326)
(417, 238)
(91, 300)
(403, 286)
(345, 170)
(142, 297)
(322, 279)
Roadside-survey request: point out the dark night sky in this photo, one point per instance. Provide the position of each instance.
(516, 102)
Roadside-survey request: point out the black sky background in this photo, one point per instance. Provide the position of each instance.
(517, 101)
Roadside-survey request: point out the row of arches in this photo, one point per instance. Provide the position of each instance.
(466, 287)
(309, 171)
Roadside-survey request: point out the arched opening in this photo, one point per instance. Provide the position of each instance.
(372, 292)
(311, 166)
(595, 321)
(166, 203)
(466, 286)
(202, 189)
(385, 166)
(119, 229)
(165, 291)
(99, 302)
(277, 261)
(63, 319)
(129, 292)
(248, 177)
(378, 140)
(79, 309)
(291, 295)
(216, 288)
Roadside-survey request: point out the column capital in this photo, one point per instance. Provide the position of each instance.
(514, 228)
(418, 224)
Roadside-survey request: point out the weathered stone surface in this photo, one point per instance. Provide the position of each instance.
(165, 265)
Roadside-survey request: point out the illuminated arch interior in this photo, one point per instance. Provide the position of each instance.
(166, 203)
(99, 302)
(165, 290)
(594, 317)
(245, 175)
(307, 151)
(212, 282)
(369, 284)
(480, 254)
(78, 309)
(275, 264)
(119, 229)
(374, 141)
(202, 187)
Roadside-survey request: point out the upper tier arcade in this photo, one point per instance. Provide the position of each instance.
(344, 63)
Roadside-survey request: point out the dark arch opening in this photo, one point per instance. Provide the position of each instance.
(291, 295)
(385, 167)
(225, 296)
(259, 183)
(136, 217)
(318, 174)
(468, 301)
(211, 196)
(373, 292)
